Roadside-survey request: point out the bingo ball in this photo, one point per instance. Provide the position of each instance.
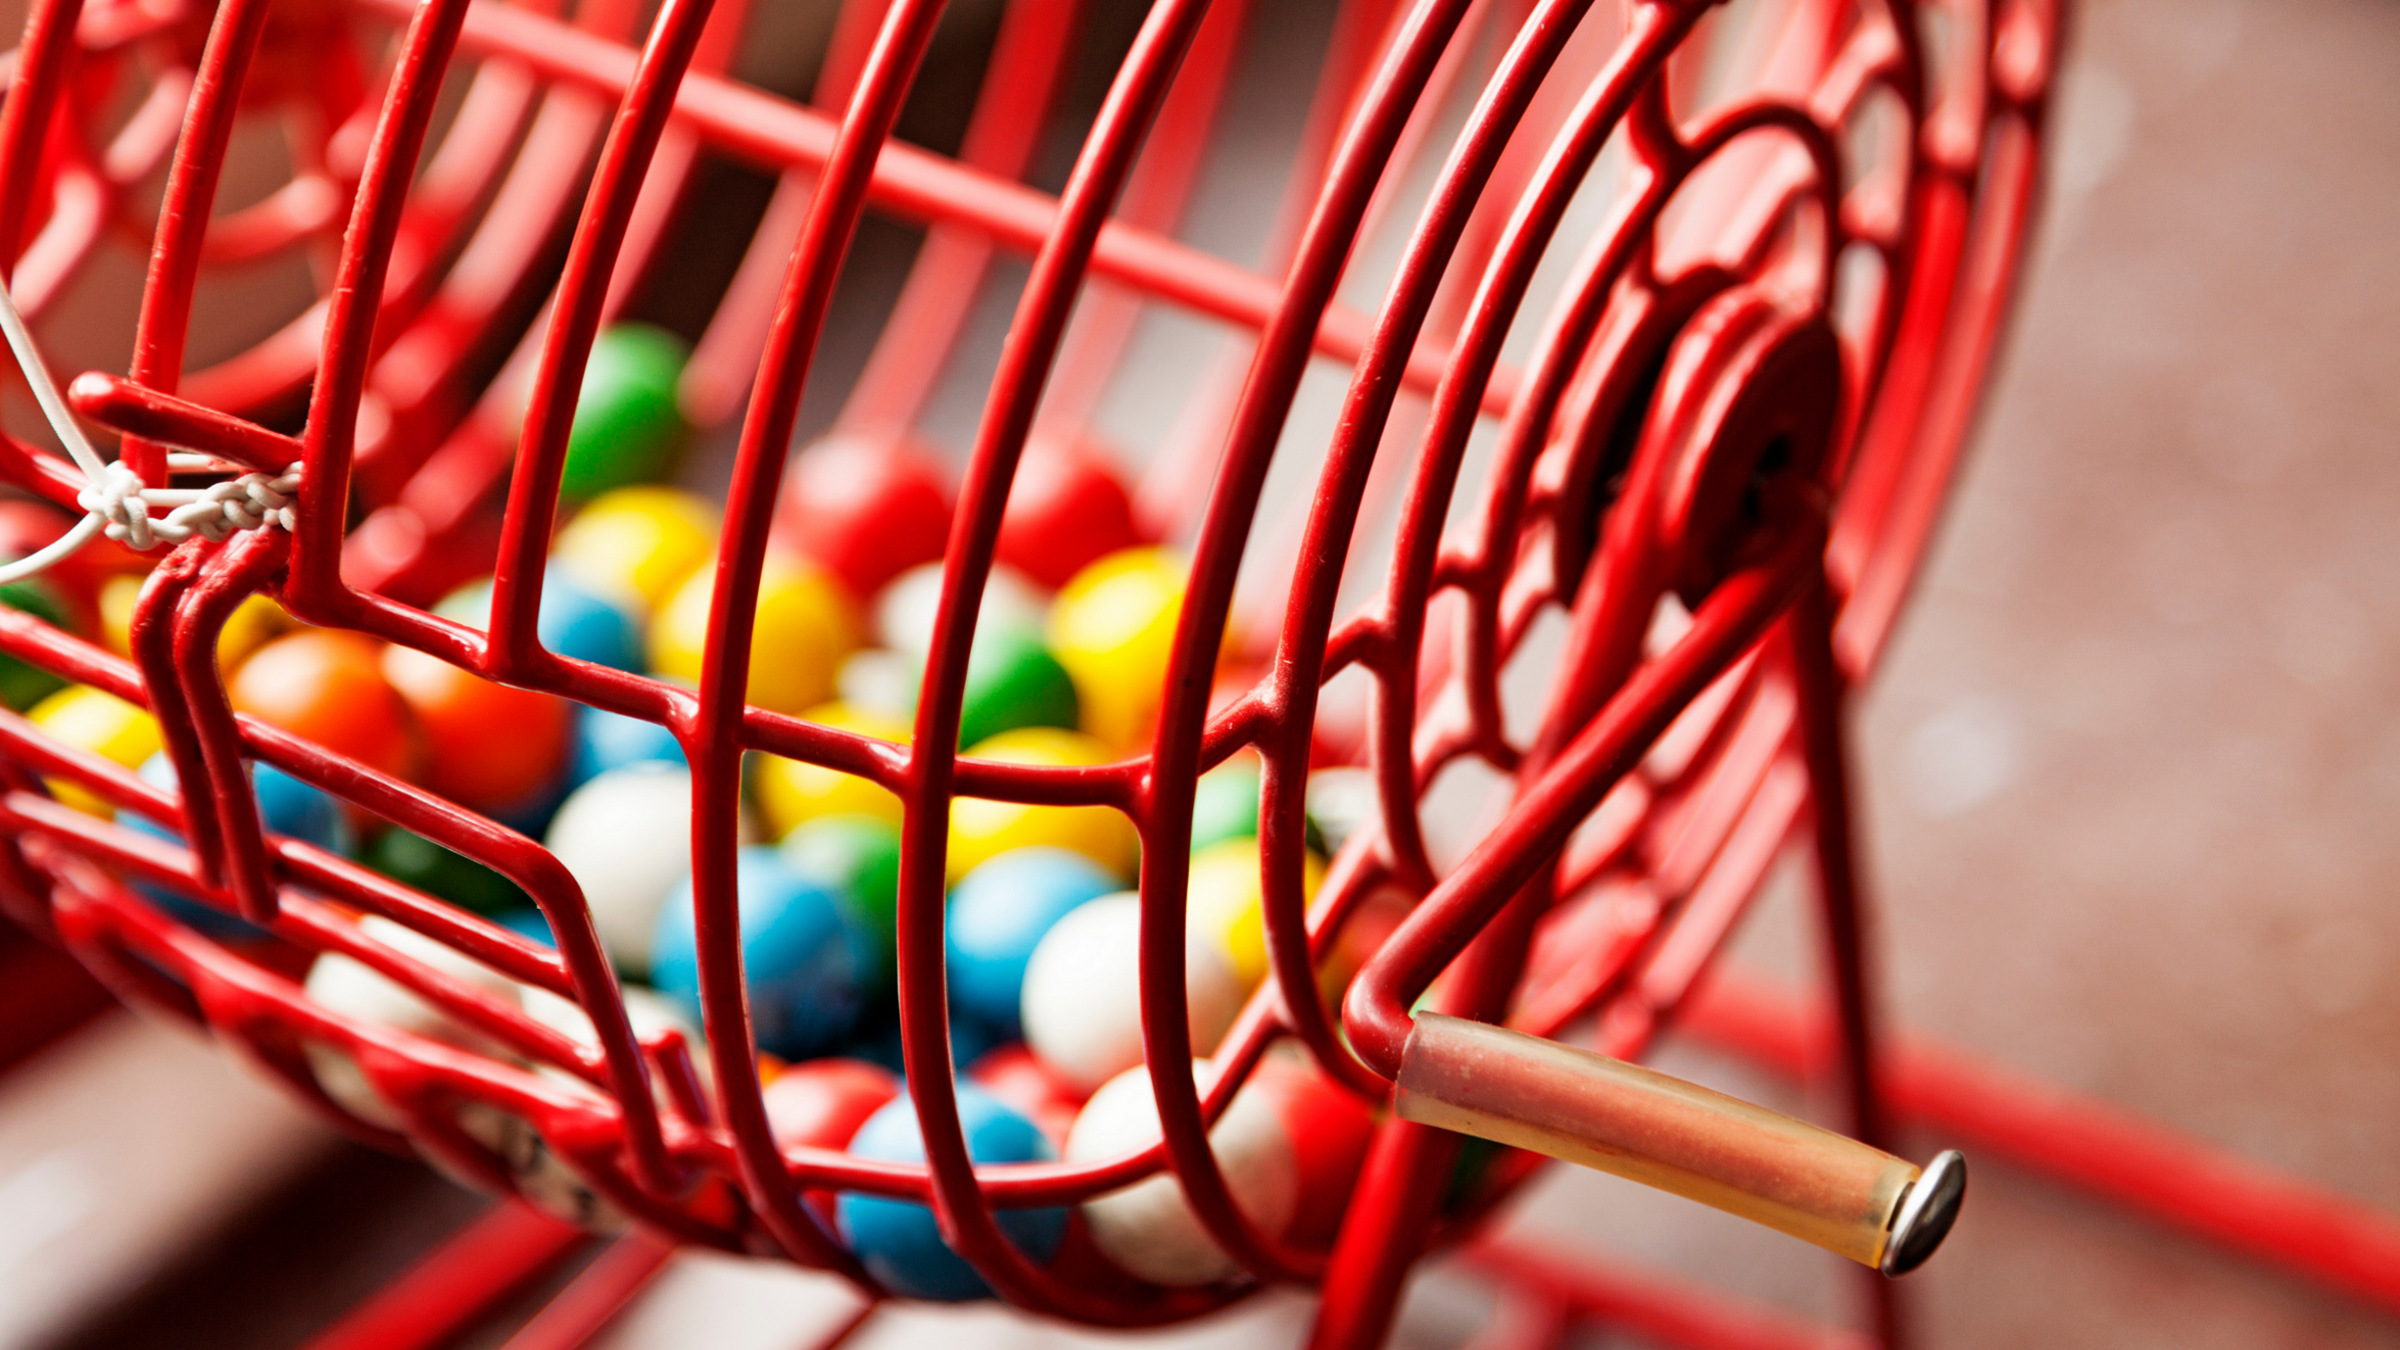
(981, 830)
(488, 746)
(1082, 1006)
(635, 545)
(626, 426)
(900, 1243)
(355, 991)
(1017, 1077)
(1113, 628)
(998, 914)
(605, 740)
(1330, 1130)
(879, 681)
(542, 1176)
(1225, 803)
(573, 620)
(881, 1043)
(1066, 508)
(805, 963)
(28, 525)
(626, 836)
(1226, 905)
(822, 1103)
(254, 623)
(1013, 681)
(790, 791)
(286, 806)
(98, 722)
(329, 687)
(411, 858)
(1149, 1228)
(867, 510)
(857, 860)
(22, 683)
(906, 610)
(803, 627)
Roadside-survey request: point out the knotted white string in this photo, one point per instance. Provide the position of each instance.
(115, 501)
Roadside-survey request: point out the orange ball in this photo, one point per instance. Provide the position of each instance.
(489, 746)
(328, 687)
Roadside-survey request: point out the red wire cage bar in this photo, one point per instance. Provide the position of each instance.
(1712, 463)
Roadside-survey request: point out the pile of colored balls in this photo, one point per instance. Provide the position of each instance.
(1070, 654)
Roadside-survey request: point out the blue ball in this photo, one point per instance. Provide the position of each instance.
(577, 623)
(286, 806)
(300, 810)
(899, 1243)
(879, 1041)
(206, 920)
(605, 740)
(805, 961)
(998, 915)
(574, 622)
(526, 921)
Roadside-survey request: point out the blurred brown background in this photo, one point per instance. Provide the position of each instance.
(2131, 766)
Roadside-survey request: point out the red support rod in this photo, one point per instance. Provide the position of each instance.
(1651, 1306)
(586, 1306)
(444, 1293)
(2148, 1168)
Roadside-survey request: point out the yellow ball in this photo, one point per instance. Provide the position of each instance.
(1113, 628)
(637, 545)
(805, 625)
(980, 830)
(1226, 908)
(107, 726)
(251, 626)
(115, 603)
(789, 792)
(247, 629)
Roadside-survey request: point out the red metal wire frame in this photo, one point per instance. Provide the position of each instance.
(911, 184)
(434, 1079)
(1029, 58)
(453, 322)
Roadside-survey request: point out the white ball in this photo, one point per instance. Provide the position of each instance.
(904, 613)
(1082, 1005)
(627, 838)
(358, 991)
(880, 681)
(649, 1013)
(1149, 1228)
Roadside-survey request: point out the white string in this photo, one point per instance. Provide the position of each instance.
(114, 500)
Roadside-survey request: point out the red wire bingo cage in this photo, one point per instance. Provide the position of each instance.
(1709, 455)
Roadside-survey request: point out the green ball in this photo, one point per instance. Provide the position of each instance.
(418, 861)
(857, 859)
(1013, 681)
(627, 424)
(1225, 806)
(22, 683)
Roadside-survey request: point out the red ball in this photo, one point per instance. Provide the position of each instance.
(489, 746)
(866, 510)
(27, 525)
(821, 1103)
(1067, 508)
(1330, 1130)
(1018, 1079)
(329, 687)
